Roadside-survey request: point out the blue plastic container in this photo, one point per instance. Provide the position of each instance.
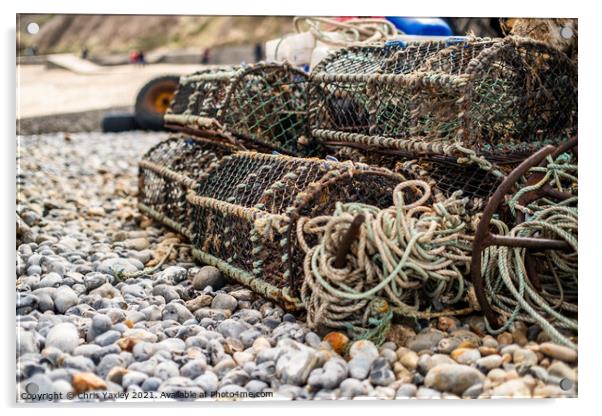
(425, 26)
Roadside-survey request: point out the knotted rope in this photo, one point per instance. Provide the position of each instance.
(120, 274)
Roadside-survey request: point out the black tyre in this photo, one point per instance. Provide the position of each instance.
(117, 122)
(153, 100)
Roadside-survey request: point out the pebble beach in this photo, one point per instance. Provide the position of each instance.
(186, 332)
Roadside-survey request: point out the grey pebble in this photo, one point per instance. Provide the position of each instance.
(362, 353)
(26, 342)
(171, 275)
(224, 301)
(107, 338)
(50, 280)
(406, 391)
(99, 325)
(134, 377)
(381, 373)
(352, 387)
(207, 381)
(167, 370)
(63, 336)
(94, 280)
(151, 384)
(208, 276)
(167, 292)
(330, 375)
(79, 363)
(255, 386)
(231, 328)
(177, 312)
(194, 368)
(295, 364)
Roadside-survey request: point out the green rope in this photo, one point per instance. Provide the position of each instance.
(410, 251)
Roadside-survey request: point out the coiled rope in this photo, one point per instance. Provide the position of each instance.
(402, 254)
(356, 32)
(504, 271)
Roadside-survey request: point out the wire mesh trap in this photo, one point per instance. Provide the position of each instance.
(350, 242)
(444, 174)
(260, 106)
(241, 212)
(500, 98)
(166, 173)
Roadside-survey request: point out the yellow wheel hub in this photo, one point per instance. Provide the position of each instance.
(162, 101)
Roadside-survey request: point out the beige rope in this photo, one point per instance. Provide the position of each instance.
(401, 253)
(357, 32)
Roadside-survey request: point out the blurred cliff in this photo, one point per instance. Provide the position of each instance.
(106, 34)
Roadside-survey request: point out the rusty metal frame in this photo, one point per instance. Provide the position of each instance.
(485, 238)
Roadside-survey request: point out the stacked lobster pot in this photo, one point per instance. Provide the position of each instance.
(412, 124)
(440, 103)
(241, 212)
(169, 170)
(260, 107)
(481, 116)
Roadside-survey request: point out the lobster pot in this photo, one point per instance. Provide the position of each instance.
(500, 98)
(445, 175)
(449, 176)
(245, 213)
(167, 172)
(261, 106)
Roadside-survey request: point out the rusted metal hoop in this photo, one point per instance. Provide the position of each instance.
(485, 238)
(545, 191)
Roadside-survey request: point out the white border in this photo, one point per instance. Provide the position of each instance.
(590, 25)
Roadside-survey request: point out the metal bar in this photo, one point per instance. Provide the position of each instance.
(483, 233)
(340, 260)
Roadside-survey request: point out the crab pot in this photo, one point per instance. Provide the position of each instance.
(166, 173)
(245, 212)
(501, 98)
(261, 106)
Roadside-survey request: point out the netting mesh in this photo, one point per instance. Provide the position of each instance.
(168, 170)
(246, 208)
(241, 212)
(261, 106)
(499, 97)
(444, 174)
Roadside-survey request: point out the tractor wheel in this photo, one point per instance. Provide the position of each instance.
(117, 122)
(153, 100)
